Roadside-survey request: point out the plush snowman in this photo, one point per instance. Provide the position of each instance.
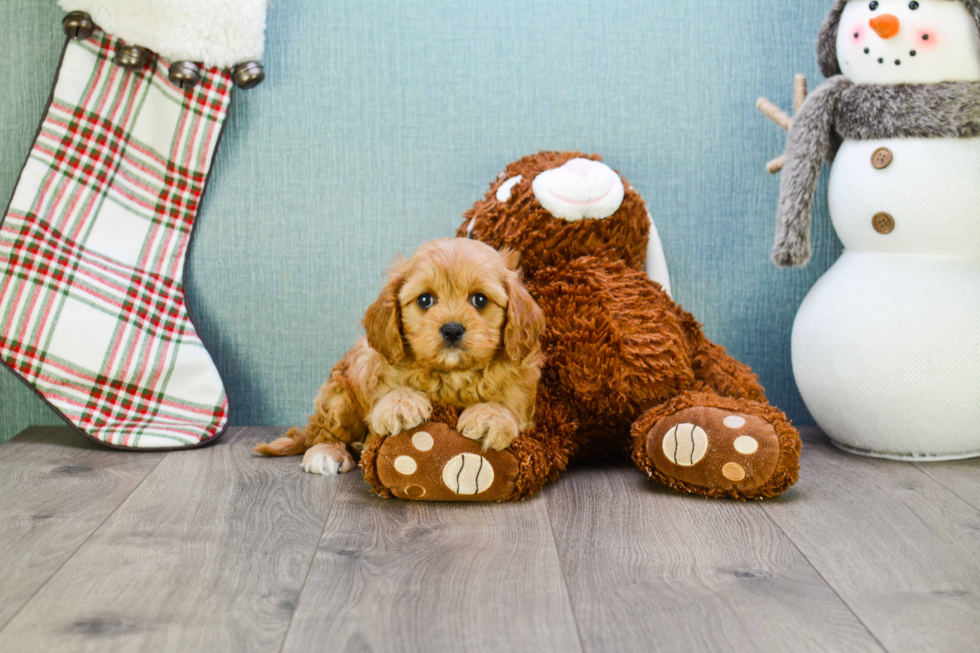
(886, 346)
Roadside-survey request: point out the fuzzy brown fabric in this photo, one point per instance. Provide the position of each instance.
(617, 347)
(787, 466)
(442, 413)
(434, 462)
(541, 454)
(369, 466)
(620, 354)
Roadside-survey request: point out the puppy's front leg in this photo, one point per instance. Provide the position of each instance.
(495, 424)
(399, 410)
(328, 458)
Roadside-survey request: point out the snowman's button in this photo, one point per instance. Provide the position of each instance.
(883, 223)
(882, 158)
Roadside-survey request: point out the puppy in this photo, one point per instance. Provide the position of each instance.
(454, 324)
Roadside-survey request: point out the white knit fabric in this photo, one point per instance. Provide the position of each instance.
(931, 188)
(886, 353)
(886, 347)
(213, 32)
(656, 263)
(950, 51)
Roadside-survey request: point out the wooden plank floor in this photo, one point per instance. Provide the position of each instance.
(218, 550)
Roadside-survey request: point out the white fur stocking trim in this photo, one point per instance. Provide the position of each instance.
(217, 33)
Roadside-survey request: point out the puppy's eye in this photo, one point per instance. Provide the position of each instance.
(873, 6)
(479, 300)
(426, 301)
(913, 6)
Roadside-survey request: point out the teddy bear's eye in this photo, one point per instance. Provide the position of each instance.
(506, 188)
(913, 6)
(479, 301)
(873, 6)
(426, 301)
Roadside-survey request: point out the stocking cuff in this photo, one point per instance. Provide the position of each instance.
(216, 33)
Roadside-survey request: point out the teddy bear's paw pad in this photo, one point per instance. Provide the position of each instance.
(714, 448)
(468, 473)
(433, 462)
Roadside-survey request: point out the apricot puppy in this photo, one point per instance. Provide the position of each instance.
(453, 324)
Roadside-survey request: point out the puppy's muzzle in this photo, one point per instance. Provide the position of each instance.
(452, 332)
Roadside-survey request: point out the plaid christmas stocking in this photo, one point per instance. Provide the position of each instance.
(93, 248)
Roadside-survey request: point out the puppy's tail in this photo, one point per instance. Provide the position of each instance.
(291, 444)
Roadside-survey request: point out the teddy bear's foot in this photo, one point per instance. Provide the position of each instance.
(714, 448)
(433, 462)
(720, 451)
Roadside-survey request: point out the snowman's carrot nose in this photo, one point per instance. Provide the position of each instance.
(886, 25)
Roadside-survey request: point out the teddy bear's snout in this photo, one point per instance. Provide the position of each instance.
(580, 189)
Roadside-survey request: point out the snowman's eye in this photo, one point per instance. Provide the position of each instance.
(873, 6)
(913, 6)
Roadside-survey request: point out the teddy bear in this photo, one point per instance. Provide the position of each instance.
(627, 372)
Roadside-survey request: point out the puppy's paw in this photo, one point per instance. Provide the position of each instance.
(494, 424)
(399, 410)
(328, 459)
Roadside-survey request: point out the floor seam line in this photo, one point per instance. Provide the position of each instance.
(561, 568)
(945, 487)
(765, 511)
(83, 543)
(309, 569)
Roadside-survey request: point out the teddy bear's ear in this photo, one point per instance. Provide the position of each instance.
(383, 319)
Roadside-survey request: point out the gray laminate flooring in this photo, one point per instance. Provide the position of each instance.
(217, 550)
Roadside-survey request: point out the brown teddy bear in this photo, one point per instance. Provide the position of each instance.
(627, 371)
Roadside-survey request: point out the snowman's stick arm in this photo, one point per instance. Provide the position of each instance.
(781, 118)
(799, 92)
(776, 165)
(774, 113)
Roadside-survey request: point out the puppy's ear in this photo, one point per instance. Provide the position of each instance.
(511, 258)
(383, 319)
(525, 319)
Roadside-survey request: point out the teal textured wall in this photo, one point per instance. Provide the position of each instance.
(381, 122)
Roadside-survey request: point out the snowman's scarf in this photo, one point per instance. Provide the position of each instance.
(839, 109)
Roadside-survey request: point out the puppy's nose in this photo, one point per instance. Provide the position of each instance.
(452, 332)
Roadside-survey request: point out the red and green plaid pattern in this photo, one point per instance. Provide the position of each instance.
(92, 252)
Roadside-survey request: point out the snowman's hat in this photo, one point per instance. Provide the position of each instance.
(827, 41)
